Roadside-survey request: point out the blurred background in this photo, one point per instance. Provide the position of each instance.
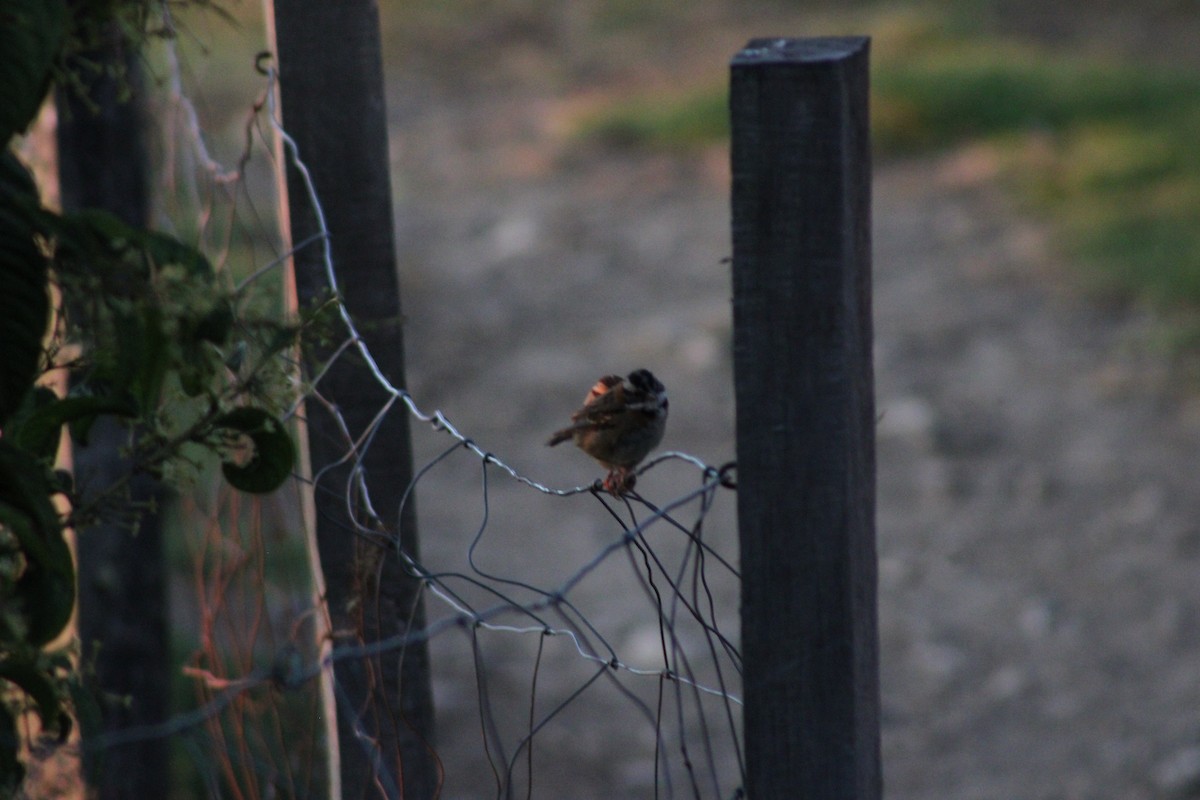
(561, 190)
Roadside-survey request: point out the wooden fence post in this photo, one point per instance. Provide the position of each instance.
(805, 417)
(331, 89)
(122, 622)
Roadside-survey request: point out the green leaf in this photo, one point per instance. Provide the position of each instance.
(198, 368)
(24, 303)
(120, 402)
(62, 482)
(103, 226)
(31, 36)
(12, 773)
(24, 526)
(274, 453)
(51, 598)
(216, 325)
(40, 432)
(93, 232)
(281, 340)
(152, 369)
(45, 593)
(35, 681)
(25, 488)
(88, 234)
(33, 402)
(200, 359)
(137, 361)
(163, 249)
(15, 178)
(46, 590)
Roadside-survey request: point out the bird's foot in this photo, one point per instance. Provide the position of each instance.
(619, 481)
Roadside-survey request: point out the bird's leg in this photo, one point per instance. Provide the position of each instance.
(619, 480)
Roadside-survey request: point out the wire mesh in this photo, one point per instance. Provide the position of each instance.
(592, 656)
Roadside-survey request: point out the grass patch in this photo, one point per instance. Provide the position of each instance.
(697, 118)
(957, 90)
(1106, 151)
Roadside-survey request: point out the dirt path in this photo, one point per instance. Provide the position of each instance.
(1038, 541)
(1039, 549)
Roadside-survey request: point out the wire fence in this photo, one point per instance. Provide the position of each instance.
(582, 644)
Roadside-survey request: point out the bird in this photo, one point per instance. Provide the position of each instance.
(620, 422)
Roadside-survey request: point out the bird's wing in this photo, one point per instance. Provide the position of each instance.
(601, 412)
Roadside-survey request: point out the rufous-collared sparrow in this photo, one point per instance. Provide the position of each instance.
(620, 422)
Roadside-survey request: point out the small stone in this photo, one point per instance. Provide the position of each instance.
(1178, 772)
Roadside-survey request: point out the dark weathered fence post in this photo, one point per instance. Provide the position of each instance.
(103, 163)
(805, 417)
(331, 87)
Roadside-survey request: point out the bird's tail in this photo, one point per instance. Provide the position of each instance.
(560, 437)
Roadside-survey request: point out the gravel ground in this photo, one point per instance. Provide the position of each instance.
(1037, 531)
